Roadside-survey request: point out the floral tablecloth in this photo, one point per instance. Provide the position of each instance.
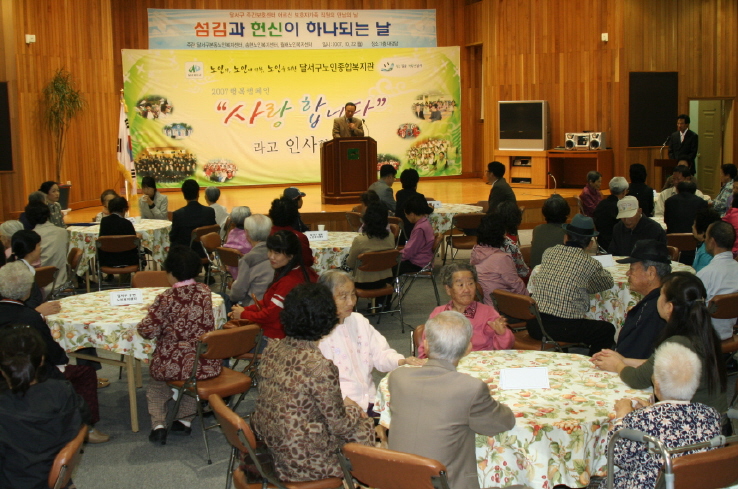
(88, 320)
(560, 435)
(442, 216)
(154, 236)
(330, 254)
(613, 304)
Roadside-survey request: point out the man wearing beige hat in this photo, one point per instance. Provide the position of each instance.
(633, 227)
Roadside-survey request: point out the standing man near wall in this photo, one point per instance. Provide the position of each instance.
(683, 143)
(348, 126)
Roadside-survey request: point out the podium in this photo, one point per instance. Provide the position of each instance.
(347, 167)
(659, 164)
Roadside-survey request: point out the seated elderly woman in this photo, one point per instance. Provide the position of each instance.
(418, 251)
(512, 216)
(374, 237)
(490, 329)
(676, 376)
(176, 320)
(255, 273)
(300, 413)
(495, 267)
(51, 189)
(555, 210)
(105, 199)
(354, 346)
(238, 238)
(16, 280)
(682, 305)
(7, 230)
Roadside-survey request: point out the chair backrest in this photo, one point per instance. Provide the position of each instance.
(232, 424)
(513, 305)
(74, 257)
(210, 241)
(117, 244)
(416, 335)
(169, 215)
(683, 241)
(692, 470)
(471, 220)
(395, 230)
(198, 233)
(150, 278)
(673, 253)
(387, 469)
(525, 251)
(45, 275)
(229, 256)
(396, 220)
(226, 229)
(724, 306)
(354, 221)
(229, 343)
(378, 261)
(66, 460)
(484, 204)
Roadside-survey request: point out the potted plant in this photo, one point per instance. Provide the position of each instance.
(62, 103)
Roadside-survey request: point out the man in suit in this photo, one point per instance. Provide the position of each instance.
(383, 186)
(501, 190)
(683, 143)
(436, 410)
(192, 216)
(680, 209)
(348, 125)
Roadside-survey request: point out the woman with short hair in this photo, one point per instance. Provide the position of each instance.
(152, 204)
(105, 199)
(255, 272)
(300, 413)
(555, 210)
(409, 179)
(512, 216)
(374, 237)
(418, 251)
(238, 238)
(490, 329)
(591, 194)
(51, 189)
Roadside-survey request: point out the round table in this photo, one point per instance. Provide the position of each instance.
(89, 321)
(560, 434)
(613, 304)
(442, 217)
(331, 253)
(154, 237)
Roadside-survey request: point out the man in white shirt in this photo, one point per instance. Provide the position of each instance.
(682, 173)
(720, 276)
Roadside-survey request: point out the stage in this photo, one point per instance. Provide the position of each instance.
(452, 190)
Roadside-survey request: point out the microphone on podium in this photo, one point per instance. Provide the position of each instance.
(363, 121)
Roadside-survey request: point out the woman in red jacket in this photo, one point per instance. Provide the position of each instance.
(285, 256)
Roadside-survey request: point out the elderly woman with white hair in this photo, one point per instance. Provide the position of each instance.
(7, 230)
(238, 238)
(255, 273)
(355, 346)
(676, 376)
(212, 194)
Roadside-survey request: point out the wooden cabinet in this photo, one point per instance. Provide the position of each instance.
(524, 168)
(570, 168)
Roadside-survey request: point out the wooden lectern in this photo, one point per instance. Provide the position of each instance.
(347, 167)
(659, 165)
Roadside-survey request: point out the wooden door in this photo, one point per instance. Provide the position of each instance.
(710, 127)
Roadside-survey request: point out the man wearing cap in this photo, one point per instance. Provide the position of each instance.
(649, 264)
(721, 275)
(566, 278)
(605, 214)
(293, 193)
(633, 227)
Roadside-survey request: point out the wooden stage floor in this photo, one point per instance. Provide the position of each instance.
(456, 191)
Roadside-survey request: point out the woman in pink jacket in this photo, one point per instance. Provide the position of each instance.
(490, 329)
(732, 217)
(495, 268)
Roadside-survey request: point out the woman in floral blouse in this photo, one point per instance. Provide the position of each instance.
(176, 320)
(300, 412)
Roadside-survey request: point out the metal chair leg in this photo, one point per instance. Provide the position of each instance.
(204, 431)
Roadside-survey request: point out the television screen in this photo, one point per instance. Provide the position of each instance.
(521, 120)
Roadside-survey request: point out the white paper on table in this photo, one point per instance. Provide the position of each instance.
(605, 260)
(524, 378)
(317, 235)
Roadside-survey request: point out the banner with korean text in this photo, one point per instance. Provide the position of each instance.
(291, 29)
(259, 117)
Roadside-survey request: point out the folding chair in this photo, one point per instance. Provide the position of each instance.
(67, 460)
(354, 221)
(427, 272)
(682, 241)
(387, 469)
(116, 244)
(252, 357)
(226, 229)
(150, 278)
(228, 257)
(416, 337)
(216, 345)
(525, 251)
(461, 223)
(242, 440)
(74, 258)
(395, 230)
(45, 276)
(196, 237)
(399, 222)
(673, 253)
(525, 308)
(379, 261)
(725, 306)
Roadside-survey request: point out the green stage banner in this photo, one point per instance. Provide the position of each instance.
(259, 117)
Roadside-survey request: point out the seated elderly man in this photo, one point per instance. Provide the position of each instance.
(649, 264)
(255, 273)
(721, 275)
(676, 376)
(682, 173)
(15, 287)
(436, 410)
(565, 280)
(633, 227)
(606, 213)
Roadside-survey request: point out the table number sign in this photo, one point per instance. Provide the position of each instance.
(435, 203)
(126, 297)
(317, 235)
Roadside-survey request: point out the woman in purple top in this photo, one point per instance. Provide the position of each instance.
(591, 195)
(418, 251)
(237, 238)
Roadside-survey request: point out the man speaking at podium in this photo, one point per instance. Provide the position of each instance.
(348, 125)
